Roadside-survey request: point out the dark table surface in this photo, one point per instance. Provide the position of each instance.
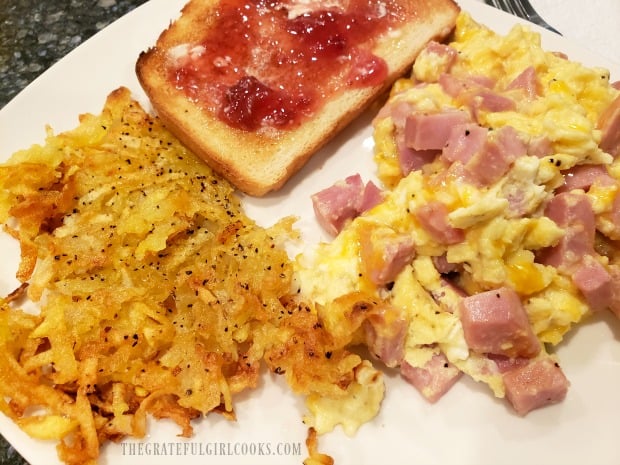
(34, 34)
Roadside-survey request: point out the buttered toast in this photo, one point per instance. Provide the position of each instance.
(256, 87)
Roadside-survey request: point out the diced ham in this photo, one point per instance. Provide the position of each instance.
(433, 216)
(483, 81)
(476, 93)
(609, 124)
(454, 172)
(384, 253)
(409, 159)
(371, 197)
(399, 111)
(464, 141)
(489, 165)
(508, 139)
(430, 131)
(614, 305)
(595, 283)
(447, 295)
(573, 212)
(495, 322)
(452, 85)
(444, 57)
(442, 50)
(412, 160)
(488, 100)
(571, 209)
(535, 385)
(539, 147)
(583, 176)
(443, 266)
(456, 86)
(386, 330)
(434, 379)
(527, 80)
(505, 364)
(338, 204)
(614, 217)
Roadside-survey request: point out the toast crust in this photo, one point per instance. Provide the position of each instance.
(258, 162)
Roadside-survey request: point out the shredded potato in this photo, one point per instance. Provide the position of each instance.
(157, 295)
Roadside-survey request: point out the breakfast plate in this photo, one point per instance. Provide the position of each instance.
(467, 426)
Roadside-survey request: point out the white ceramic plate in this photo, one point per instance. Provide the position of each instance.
(467, 426)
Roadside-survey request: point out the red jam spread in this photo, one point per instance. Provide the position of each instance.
(261, 66)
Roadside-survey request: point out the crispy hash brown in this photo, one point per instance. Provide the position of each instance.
(157, 295)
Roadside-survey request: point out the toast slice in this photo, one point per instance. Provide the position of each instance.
(235, 90)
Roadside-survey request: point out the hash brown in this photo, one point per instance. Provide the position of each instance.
(157, 294)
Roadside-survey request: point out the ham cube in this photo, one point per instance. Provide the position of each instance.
(614, 217)
(433, 216)
(476, 93)
(447, 295)
(527, 81)
(490, 164)
(412, 160)
(442, 56)
(583, 176)
(609, 124)
(371, 197)
(595, 283)
(443, 266)
(464, 142)
(441, 50)
(505, 364)
(464, 86)
(384, 253)
(573, 212)
(535, 385)
(338, 204)
(614, 305)
(495, 322)
(540, 147)
(571, 209)
(434, 379)
(385, 331)
(430, 131)
(489, 100)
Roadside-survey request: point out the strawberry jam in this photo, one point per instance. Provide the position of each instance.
(270, 63)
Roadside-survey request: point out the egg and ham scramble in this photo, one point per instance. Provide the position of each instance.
(493, 234)
(497, 229)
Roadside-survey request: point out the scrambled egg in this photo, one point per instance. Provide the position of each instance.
(500, 246)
